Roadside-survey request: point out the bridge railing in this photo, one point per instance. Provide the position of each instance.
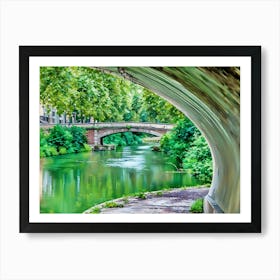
(115, 124)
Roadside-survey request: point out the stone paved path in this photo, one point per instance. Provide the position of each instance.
(161, 202)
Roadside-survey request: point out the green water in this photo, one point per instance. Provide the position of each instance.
(73, 183)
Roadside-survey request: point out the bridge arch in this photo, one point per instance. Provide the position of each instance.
(210, 98)
(96, 132)
(114, 131)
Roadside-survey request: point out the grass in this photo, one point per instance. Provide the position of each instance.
(112, 204)
(95, 210)
(197, 206)
(141, 195)
(159, 193)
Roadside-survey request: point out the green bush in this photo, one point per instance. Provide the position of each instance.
(188, 149)
(62, 150)
(43, 138)
(53, 151)
(42, 153)
(79, 138)
(60, 137)
(112, 204)
(86, 148)
(197, 206)
(198, 159)
(47, 151)
(62, 140)
(176, 142)
(141, 195)
(95, 210)
(184, 130)
(70, 151)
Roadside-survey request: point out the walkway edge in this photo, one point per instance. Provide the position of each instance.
(123, 201)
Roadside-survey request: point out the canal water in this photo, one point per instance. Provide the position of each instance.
(73, 183)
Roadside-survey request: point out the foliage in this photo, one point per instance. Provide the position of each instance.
(159, 193)
(124, 139)
(48, 151)
(112, 204)
(86, 148)
(141, 195)
(115, 139)
(188, 149)
(176, 142)
(60, 137)
(197, 206)
(158, 110)
(84, 93)
(45, 148)
(63, 140)
(95, 210)
(62, 150)
(198, 159)
(79, 138)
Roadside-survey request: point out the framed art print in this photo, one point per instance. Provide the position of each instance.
(140, 138)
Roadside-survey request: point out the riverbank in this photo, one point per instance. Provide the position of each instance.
(177, 200)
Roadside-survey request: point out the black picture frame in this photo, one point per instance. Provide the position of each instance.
(254, 52)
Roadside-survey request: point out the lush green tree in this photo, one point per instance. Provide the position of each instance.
(189, 150)
(89, 93)
(176, 142)
(159, 110)
(55, 85)
(198, 159)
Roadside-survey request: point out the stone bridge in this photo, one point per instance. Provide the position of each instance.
(97, 131)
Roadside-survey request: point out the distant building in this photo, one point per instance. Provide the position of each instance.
(51, 116)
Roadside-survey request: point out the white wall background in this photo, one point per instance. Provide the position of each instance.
(139, 256)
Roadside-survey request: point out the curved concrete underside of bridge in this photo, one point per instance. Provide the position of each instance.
(210, 97)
